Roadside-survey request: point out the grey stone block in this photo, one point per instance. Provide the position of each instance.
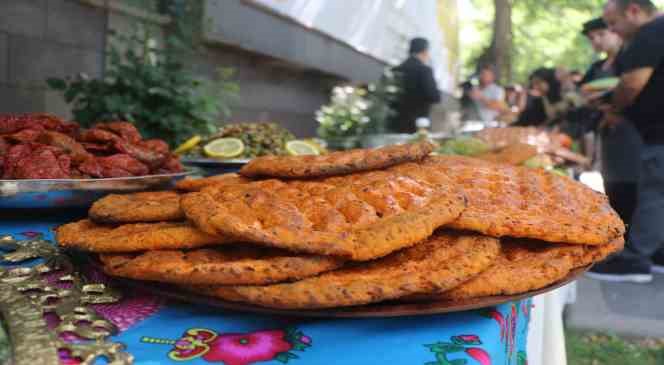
(270, 90)
(24, 17)
(32, 61)
(72, 22)
(54, 103)
(19, 100)
(4, 57)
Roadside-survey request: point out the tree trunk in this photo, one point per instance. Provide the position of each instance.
(502, 38)
(499, 52)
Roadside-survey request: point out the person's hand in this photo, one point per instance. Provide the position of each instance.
(604, 107)
(476, 94)
(592, 95)
(611, 120)
(596, 100)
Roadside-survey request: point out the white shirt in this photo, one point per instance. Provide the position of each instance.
(491, 92)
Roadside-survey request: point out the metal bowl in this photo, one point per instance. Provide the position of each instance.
(76, 193)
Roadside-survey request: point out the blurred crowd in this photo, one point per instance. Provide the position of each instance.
(613, 110)
(544, 101)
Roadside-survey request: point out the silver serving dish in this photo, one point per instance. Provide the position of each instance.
(202, 161)
(211, 166)
(76, 193)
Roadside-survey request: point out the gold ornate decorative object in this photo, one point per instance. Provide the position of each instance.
(26, 296)
(32, 342)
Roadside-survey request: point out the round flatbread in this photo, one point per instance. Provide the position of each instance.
(228, 265)
(360, 217)
(138, 207)
(88, 236)
(442, 262)
(525, 265)
(336, 163)
(196, 184)
(513, 201)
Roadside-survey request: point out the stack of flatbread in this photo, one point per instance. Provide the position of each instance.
(513, 142)
(353, 228)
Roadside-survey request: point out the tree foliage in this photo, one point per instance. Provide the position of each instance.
(544, 33)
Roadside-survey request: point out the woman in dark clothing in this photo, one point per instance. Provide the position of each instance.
(548, 106)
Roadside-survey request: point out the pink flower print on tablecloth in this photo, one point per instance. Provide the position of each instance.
(467, 344)
(245, 349)
(236, 348)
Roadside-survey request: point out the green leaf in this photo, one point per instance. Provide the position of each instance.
(56, 84)
(449, 348)
(522, 358)
(71, 93)
(162, 98)
(438, 347)
(458, 362)
(282, 358)
(297, 346)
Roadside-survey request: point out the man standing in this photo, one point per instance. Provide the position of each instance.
(603, 41)
(418, 88)
(639, 98)
(620, 143)
(488, 96)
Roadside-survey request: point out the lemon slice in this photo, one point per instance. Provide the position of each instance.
(317, 144)
(187, 145)
(299, 148)
(224, 148)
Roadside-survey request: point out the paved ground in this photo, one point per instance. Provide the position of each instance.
(620, 308)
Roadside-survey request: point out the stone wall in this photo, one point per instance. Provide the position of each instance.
(56, 38)
(270, 90)
(46, 38)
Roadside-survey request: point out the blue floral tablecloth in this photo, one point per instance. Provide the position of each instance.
(157, 331)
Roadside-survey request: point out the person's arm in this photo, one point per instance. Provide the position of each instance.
(630, 87)
(522, 100)
(636, 64)
(589, 75)
(429, 87)
(494, 102)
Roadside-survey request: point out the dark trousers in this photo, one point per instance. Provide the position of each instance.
(622, 196)
(646, 235)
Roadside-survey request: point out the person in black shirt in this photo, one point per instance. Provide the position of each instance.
(603, 41)
(418, 88)
(639, 98)
(621, 143)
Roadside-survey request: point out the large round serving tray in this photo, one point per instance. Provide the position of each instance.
(211, 166)
(386, 309)
(214, 162)
(69, 193)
